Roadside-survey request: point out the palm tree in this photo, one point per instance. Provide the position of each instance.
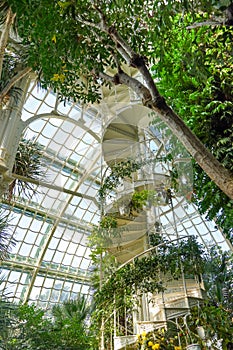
(78, 309)
(71, 322)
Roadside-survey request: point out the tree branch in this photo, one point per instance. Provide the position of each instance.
(139, 63)
(122, 47)
(226, 20)
(117, 38)
(122, 78)
(140, 89)
(87, 23)
(132, 58)
(108, 78)
(124, 54)
(206, 23)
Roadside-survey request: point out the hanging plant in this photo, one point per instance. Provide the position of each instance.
(102, 235)
(28, 164)
(118, 172)
(6, 240)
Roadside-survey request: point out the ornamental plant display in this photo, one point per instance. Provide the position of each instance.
(216, 323)
(158, 339)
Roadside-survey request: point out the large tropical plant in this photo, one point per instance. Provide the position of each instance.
(71, 321)
(28, 327)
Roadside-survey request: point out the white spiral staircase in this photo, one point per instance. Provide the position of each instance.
(123, 140)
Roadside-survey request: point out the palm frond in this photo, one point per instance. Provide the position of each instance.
(4, 8)
(77, 309)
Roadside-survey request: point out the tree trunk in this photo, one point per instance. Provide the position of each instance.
(151, 98)
(213, 168)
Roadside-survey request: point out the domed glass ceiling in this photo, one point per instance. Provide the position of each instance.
(51, 260)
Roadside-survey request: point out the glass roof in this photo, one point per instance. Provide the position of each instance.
(51, 260)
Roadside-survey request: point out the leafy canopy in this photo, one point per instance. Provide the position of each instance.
(69, 46)
(195, 78)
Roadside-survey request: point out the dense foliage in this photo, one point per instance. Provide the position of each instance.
(28, 327)
(195, 73)
(142, 274)
(63, 39)
(206, 325)
(122, 287)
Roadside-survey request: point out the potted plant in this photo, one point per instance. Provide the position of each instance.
(163, 339)
(190, 340)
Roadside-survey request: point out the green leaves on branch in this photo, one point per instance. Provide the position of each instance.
(195, 76)
(144, 274)
(125, 169)
(118, 171)
(29, 328)
(68, 45)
